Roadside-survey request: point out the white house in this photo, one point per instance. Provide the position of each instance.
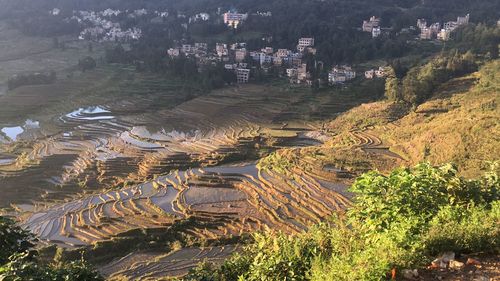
(306, 42)
(370, 24)
(233, 19)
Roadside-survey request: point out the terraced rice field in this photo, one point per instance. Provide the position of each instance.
(251, 199)
(144, 266)
(105, 153)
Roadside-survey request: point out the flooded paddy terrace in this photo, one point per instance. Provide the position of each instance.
(90, 173)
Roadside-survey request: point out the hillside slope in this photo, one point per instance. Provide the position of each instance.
(459, 124)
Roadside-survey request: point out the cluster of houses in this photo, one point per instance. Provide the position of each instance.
(435, 31)
(103, 26)
(381, 72)
(341, 74)
(236, 57)
(99, 26)
(199, 17)
(234, 19)
(372, 26)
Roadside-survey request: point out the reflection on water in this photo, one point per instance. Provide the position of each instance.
(6, 161)
(91, 113)
(12, 132)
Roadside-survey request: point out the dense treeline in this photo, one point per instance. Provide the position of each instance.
(480, 39)
(399, 221)
(471, 44)
(420, 82)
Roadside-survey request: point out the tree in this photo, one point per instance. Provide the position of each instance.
(392, 86)
(13, 239)
(18, 259)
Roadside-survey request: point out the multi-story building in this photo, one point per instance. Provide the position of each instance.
(240, 55)
(240, 45)
(444, 34)
(242, 75)
(188, 49)
(376, 31)
(221, 49)
(421, 23)
(451, 25)
(306, 42)
(425, 33)
(201, 46)
(336, 78)
(463, 20)
(369, 25)
(345, 69)
(267, 50)
(291, 72)
(277, 60)
(234, 19)
(370, 74)
(283, 53)
(341, 74)
(174, 52)
(302, 74)
(265, 58)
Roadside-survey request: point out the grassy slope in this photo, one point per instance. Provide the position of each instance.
(459, 124)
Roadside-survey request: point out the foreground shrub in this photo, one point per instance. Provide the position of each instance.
(13, 239)
(19, 262)
(476, 229)
(23, 267)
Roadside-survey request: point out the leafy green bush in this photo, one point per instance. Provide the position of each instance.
(18, 259)
(396, 221)
(23, 267)
(461, 230)
(13, 239)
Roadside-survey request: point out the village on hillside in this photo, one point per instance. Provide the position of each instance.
(237, 57)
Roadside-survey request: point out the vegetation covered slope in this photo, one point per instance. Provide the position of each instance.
(458, 123)
(396, 222)
(19, 260)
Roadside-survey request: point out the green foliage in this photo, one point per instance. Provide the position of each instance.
(475, 229)
(420, 82)
(400, 220)
(392, 86)
(489, 77)
(478, 38)
(23, 267)
(416, 193)
(18, 260)
(13, 239)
